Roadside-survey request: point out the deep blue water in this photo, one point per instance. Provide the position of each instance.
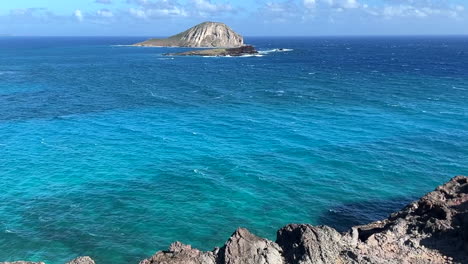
(115, 151)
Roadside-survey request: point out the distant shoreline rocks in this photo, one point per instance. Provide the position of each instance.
(233, 52)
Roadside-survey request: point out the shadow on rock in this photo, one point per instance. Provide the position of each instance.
(448, 225)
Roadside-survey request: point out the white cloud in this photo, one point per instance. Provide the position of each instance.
(387, 10)
(334, 4)
(105, 13)
(350, 4)
(207, 6)
(78, 15)
(280, 11)
(158, 12)
(402, 11)
(288, 11)
(416, 11)
(106, 2)
(147, 9)
(140, 13)
(310, 3)
(192, 8)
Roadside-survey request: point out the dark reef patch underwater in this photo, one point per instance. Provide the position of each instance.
(116, 151)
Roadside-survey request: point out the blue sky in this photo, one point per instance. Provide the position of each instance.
(250, 18)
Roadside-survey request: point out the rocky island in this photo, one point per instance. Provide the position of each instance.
(433, 229)
(215, 35)
(204, 35)
(235, 52)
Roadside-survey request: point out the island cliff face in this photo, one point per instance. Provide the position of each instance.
(204, 35)
(433, 229)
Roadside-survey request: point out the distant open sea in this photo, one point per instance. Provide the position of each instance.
(114, 151)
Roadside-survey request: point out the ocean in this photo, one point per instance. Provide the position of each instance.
(115, 151)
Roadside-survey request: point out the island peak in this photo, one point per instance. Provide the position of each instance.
(205, 35)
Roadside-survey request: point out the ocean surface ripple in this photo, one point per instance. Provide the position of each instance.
(115, 151)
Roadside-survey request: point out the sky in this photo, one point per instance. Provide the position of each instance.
(248, 17)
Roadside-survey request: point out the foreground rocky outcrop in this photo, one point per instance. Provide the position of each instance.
(22, 262)
(234, 52)
(80, 260)
(204, 35)
(433, 229)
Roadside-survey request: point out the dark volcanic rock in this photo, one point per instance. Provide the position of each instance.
(311, 244)
(430, 230)
(22, 262)
(180, 253)
(240, 51)
(82, 260)
(244, 247)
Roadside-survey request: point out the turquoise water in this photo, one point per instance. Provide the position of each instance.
(115, 151)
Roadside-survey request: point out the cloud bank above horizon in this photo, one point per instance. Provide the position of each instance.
(251, 18)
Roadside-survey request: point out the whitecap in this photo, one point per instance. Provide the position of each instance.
(198, 172)
(229, 56)
(458, 88)
(6, 72)
(157, 96)
(274, 50)
(252, 55)
(44, 219)
(141, 46)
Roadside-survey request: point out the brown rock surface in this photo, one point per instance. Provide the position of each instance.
(22, 262)
(82, 260)
(311, 244)
(244, 247)
(180, 253)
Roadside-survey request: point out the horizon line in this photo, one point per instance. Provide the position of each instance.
(262, 36)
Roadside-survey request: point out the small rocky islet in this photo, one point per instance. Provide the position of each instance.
(433, 229)
(233, 52)
(217, 38)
